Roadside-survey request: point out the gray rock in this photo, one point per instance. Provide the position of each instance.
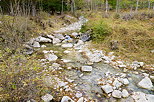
(59, 36)
(124, 81)
(107, 88)
(150, 98)
(139, 97)
(145, 83)
(56, 41)
(28, 50)
(68, 45)
(86, 68)
(117, 83)
(47, 98)
(117, 94)
(36, 44)
(152, 51)
(51, 57)
(43, 46)
(85, 36)
(43, 39)
(66, 99)
(152, 78)
(125, 93)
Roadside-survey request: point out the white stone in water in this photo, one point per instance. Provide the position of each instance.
(47, 98)
(36, 44)
(117, 94)
(68, 45)
(107, 88)
(51, 57)
(86, 68)
(124, 81)
(116, 83)
(145, 83)
(66, 99)
(125, 93)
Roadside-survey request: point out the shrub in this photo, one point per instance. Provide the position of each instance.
(99, 28)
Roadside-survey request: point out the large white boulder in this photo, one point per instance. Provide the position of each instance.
(145, 83)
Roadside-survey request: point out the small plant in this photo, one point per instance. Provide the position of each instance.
(99, 28)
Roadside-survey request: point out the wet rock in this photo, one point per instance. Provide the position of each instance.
(47, 98)
(117, 94)
(107, 88)
(86, 68)
(36, 44)
(51, 57)
(145, 83)
(125, 93)
(66, 99)
(85, 36)
(43, 39)
(68, 45)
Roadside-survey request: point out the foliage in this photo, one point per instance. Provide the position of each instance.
(99, 29)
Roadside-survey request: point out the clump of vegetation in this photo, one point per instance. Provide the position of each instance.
(100, 30)
(135, 37)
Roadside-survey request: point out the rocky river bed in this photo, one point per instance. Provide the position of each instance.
(87, 74)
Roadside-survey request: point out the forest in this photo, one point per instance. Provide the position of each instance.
(76, 50)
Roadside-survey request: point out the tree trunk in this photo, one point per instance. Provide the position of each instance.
(117, 6)
(137, 4)
(106, 3)
(62, 10)
(149, 5)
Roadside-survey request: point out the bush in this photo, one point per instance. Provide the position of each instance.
(99, 28)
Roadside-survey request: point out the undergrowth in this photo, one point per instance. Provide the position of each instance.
(135, 37)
